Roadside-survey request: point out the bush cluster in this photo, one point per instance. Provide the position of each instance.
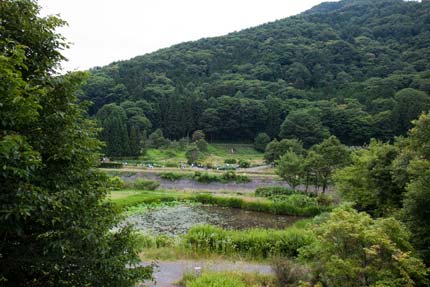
(172, 176)
(244, 163)
(230, 161)
(116, 183)
(278, 191)
(143, 184)
(228, 176)
(295, 206)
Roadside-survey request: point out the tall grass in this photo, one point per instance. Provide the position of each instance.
(258, 243)
(205, 177)
(287, 207)
(143, 184)
(173, 176)
(275, 191)
(226, 279)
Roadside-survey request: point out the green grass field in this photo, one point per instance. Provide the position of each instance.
(218, 153)
(215, 156)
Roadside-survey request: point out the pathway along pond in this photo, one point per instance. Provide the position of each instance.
(178, 219)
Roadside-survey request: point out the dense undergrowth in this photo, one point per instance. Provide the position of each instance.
(205, 177)
(253, 244)
(226, 279)
(256, 242)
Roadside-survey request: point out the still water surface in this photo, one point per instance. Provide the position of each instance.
(176, 220)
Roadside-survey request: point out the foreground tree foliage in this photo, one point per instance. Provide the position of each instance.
(370, 180)
(387, 179)
(354, 250)
(55, 222)
(416, 204)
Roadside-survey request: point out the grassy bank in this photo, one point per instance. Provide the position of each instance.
(227, 279)
(288, 206)
(216, 155)
(215, 243)
(256, 243)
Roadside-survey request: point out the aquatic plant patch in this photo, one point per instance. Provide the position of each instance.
(260, 243)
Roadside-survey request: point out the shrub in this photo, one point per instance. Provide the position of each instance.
(172, 176)
(232, 176)
(325, 200)
(202, 145)
(261, 141)
(146, 184)
(110, 165)
(192, 154)
(183, 143)
(230, 161)
(170, 153)
(301, 200)
(229, 176)
(116, 183)
(198, 135)
(271, 191)
(244, 163)
(289, 273)
(215, 280)
(174, 145)
(205, 177)
(157, 140)
(276, 207)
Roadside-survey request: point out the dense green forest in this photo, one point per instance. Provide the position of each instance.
(356, 69)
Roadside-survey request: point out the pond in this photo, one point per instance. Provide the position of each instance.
(176, 220)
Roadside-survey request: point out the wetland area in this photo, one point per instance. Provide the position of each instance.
(178, 219)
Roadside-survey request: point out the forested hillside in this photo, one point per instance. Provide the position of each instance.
(355, 69)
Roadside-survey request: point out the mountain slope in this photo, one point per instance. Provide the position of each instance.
(356, 53)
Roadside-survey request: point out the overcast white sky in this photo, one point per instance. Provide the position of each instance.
(103, 31)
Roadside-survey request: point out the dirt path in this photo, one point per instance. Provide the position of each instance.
(169, 273)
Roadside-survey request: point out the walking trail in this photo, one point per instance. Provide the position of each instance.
(170, 272)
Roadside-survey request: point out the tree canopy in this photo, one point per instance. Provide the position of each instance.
(363, 65)
(55, 222)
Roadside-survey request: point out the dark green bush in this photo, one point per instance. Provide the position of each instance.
(110, 165)
(293, 207)
(116, 183)
(275, 191)
(288, 273)
(230, 176)
(244, 163)
(202, 145)
(146, 184)
(230, 161)
(205, 177)
(172, 176)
